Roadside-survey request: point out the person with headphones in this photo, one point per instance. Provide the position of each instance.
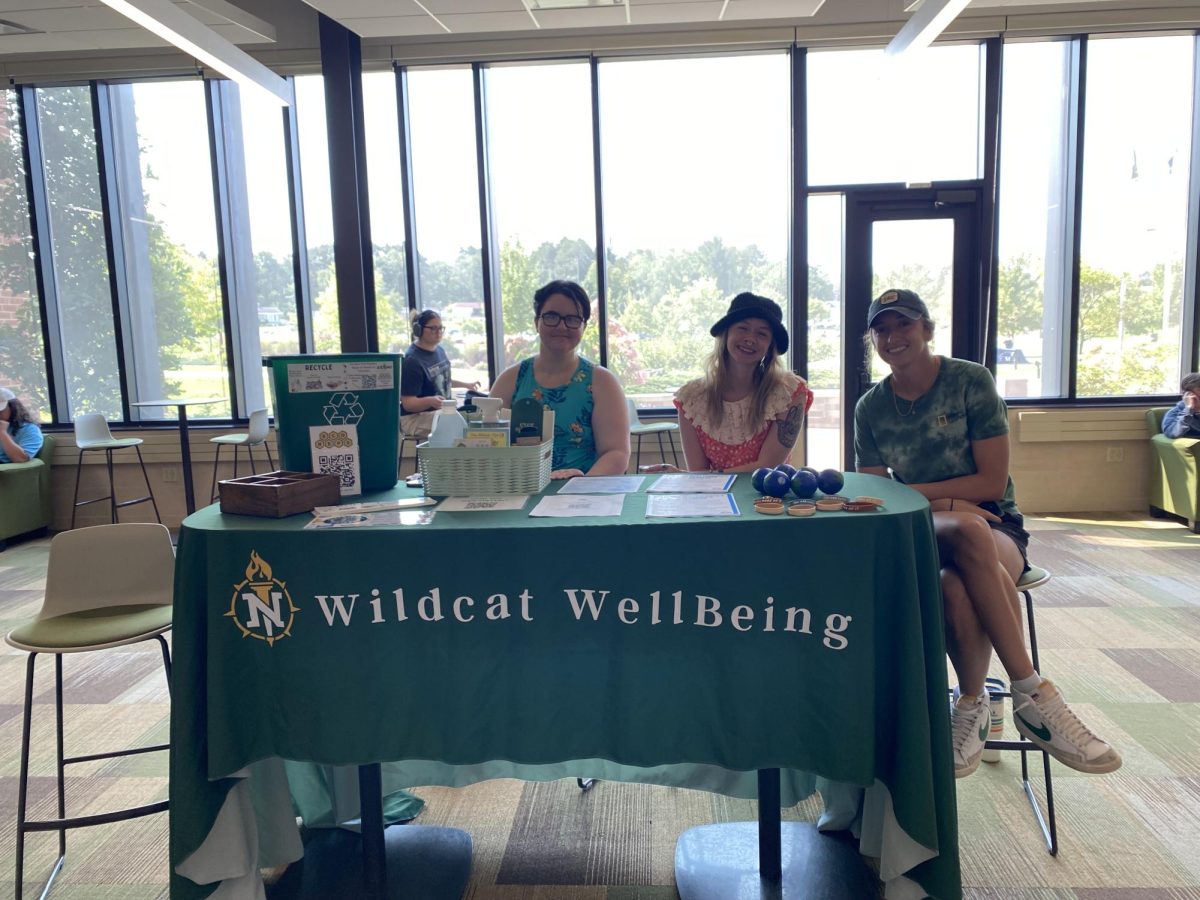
(425, 376)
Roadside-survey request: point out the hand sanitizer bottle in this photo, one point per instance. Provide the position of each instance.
(449, 427)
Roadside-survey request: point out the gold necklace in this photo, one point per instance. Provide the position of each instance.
(911, 405)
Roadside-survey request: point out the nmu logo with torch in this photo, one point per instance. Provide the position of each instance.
(268, 607)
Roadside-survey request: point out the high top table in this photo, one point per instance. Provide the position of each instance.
(684, 651)
(185, 447)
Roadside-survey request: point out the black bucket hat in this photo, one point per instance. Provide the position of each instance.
(752, 306)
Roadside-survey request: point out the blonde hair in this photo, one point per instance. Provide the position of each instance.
(769, 373)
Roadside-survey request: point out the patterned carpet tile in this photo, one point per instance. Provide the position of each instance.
(1168, 732)
(1175, 674)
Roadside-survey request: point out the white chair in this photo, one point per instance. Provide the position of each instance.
(92, 433)
(254, 436)
(106, 586)
(640, 429)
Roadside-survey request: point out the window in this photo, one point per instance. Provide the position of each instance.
(318, 212)
(695, 162)
(77, 251)
(875, 118)
(176, 334)
(1033, 300)
(446, 200)
(260, 236)
(22, 359)
(1133, 233)
(387, 211)
(543, 198)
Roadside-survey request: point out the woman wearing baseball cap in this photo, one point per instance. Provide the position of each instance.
(20, 436)
(748, 409)
(939, 425)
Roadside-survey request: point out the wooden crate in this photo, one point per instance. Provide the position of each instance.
(278, 494)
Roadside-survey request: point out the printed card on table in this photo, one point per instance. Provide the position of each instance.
(335, 452)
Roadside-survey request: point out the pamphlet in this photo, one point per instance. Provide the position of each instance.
(693, 483)
(484, 504)
(572, 505)
(679, 506)
(603, 484)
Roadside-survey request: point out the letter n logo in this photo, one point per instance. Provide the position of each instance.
(261, 606)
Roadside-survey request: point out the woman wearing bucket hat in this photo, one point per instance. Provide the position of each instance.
(939, 425)
(748, 409)
(20, 437)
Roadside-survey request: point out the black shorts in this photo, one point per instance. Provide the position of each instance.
(1013, 526)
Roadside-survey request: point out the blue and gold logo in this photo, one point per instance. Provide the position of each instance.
(268, 607)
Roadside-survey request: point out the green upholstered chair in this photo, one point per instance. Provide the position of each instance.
(1174, 468)
(640, 429)
(106, 586)
(25, 494)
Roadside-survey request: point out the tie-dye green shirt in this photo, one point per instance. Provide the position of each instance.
(933, 441)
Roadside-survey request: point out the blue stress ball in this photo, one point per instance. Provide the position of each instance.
(830, 481)
(815, 472)
(776, 483)
(785, 467)
(757, 478)
(804, 484)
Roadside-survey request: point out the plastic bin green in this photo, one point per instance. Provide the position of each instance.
(360, 389)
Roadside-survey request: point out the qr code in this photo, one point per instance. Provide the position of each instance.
(339, 464)
(368, 382)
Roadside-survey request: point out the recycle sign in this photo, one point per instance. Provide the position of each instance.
(343, 408)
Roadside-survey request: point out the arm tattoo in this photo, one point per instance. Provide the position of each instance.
(788, 428)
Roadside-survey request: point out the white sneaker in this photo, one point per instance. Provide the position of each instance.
(970, 722)
(1043, 717)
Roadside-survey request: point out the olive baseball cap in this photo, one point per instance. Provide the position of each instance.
(900, 300)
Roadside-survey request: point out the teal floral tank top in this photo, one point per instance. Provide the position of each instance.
(574, 443)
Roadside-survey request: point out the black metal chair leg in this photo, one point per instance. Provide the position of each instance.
(112, 487)
(149, 489)
(166, 655)
(212, 494)
(23, 776)
(62, 766)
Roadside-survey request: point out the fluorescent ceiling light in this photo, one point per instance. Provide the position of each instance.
(571, 4)
(195, 38)
(7, 27)
(926, 23)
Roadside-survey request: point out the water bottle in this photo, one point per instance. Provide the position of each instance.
(995, 686)
(449, 427)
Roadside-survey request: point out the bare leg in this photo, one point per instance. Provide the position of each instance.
(967, 643)
(987, 564)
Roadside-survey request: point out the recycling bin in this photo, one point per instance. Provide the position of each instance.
(339, 413)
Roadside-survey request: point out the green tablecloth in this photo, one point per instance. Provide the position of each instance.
(809, 644)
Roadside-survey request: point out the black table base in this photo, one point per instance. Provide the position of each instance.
(424, 862)
(769, 859)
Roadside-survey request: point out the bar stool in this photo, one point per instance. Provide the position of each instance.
(640, 429)
(106, 586)
(1036, 577)
(92, 433)
(254, 436)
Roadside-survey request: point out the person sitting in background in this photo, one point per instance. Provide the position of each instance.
(20, 436)
(748, 409)
(591, 422)
(425, 376)
(938, 425)
(1183, 419)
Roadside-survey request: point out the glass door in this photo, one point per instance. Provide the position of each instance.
(926, 241)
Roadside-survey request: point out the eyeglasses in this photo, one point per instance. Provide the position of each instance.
(551, 320)
(435, 328)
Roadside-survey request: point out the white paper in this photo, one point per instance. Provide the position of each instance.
(366, 520)
(603, 484)
(693, 483)
(483, 504)
(672, 506)
(335, 452)
(561, 506)
(324, 512)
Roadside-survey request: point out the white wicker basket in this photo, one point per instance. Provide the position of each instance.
(477, 471)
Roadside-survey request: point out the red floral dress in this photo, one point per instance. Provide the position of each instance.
(737, 441)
